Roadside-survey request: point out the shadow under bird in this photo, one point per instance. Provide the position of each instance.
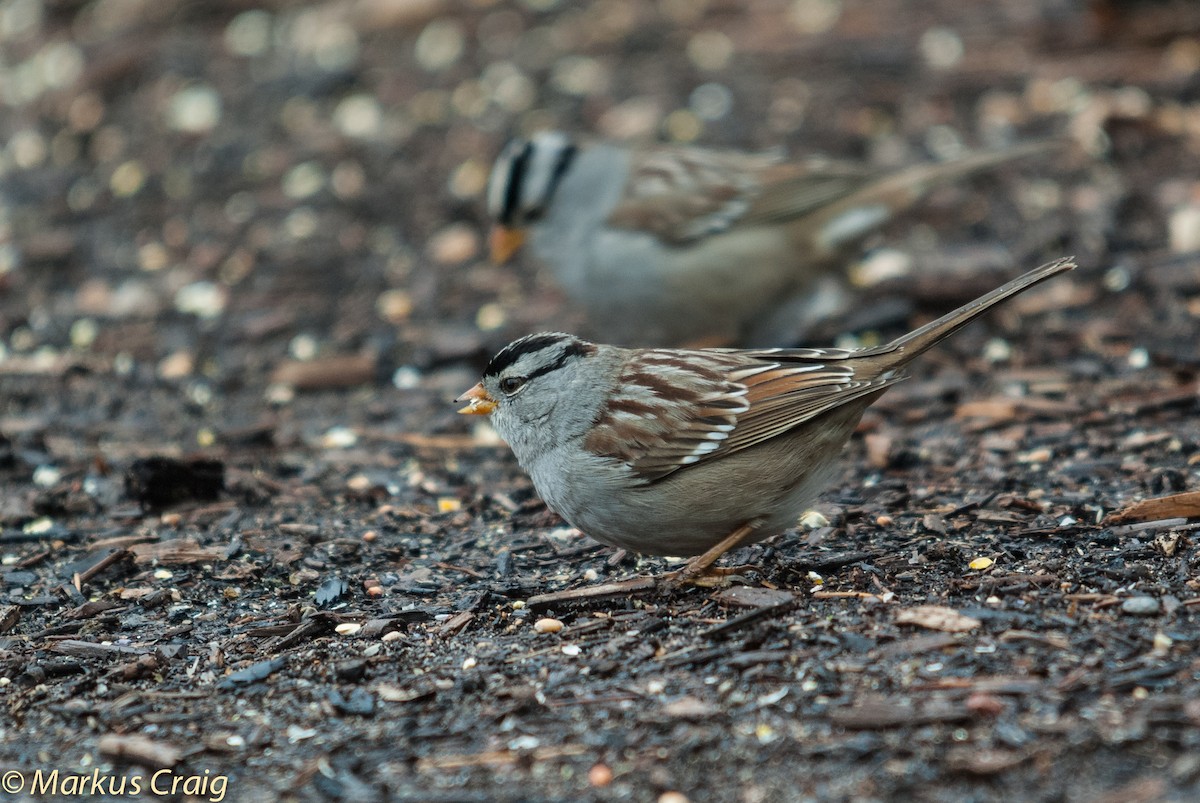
(692, 452)
(673, 245)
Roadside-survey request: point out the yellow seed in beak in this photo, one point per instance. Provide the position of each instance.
(478, 401)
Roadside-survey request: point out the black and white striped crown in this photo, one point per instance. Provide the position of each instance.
(525, 176)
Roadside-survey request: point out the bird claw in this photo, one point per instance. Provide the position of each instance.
(705, 577)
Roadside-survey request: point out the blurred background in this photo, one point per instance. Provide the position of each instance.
(255, 230)
(204, 191)
(212, 194)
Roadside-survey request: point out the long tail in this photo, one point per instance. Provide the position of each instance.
(903, 349)
(859, 212)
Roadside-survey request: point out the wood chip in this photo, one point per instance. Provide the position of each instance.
(341, 371)
(91, 649)
(875, 714)
(9, 618)
(936, 617)
(689, 708)
(177, 552)
(139, 750)
(1184, 505)
(750, 597)
(601, 591)
(455, 623)
(389, 693)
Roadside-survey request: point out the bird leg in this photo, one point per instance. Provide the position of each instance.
(701, 565)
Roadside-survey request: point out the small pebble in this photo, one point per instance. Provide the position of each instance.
(1140, 606)
(941, 48)
(1184, 229)
(46, 476)
(1035, 456)
(997, 350)
(813, 520)
(600, 775)
(454, 244)
(986, 704)
(202, 299)
(359, 116)
(248, 34)
(440, 44)
(339, 438)
(490, 317)
(195, 110)
(814, 16)
(394, 306)
(710, 50)
(547, 625)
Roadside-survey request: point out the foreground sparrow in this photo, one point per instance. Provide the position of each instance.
(692, 452)
(680, 245)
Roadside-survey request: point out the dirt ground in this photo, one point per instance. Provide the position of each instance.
(246, 539)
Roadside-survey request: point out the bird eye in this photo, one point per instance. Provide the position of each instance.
(511, 384)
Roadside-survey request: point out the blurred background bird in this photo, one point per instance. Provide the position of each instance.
(677, 245)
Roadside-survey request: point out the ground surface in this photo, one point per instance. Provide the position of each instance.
(251, 233)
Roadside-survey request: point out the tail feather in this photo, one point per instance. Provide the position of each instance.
(902, 350)
(857, 213)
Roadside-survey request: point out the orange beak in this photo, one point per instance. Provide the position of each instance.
(504, 243)
(480, 403)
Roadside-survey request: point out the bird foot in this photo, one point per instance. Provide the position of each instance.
(706, 577)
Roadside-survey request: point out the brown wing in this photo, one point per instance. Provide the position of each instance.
(724, 401)
(683, 194)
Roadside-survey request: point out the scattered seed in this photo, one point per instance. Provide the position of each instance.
(1140, 606)
(547, 625)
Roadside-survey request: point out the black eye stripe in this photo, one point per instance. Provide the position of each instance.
(554, 366)
(512, 189)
